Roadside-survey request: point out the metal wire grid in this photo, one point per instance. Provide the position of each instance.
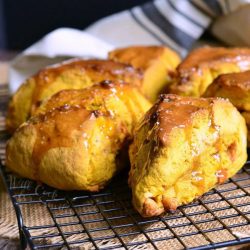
(107, 220)
(52, 219)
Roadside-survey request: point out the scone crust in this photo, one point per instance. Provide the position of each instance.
(156, 64)
(182, 148)
(71, 74)
(198, 70)
(234, 86)
(77, 141)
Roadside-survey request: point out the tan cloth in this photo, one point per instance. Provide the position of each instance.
(233, 29)
(8, 222)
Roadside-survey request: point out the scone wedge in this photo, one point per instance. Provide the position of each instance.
(198, 70)
(182, 148)
(76, 142)
(156, 64)
(235, 87)
(71, 74)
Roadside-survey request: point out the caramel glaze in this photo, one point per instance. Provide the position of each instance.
(221, 175)
(68, 110)
(172, 111)
(212, 55)
(130, 54)
(54, 129)
(92, 98)
(96, 70)
(240, 80)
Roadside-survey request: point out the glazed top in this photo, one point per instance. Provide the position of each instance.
(172, 111)
(241, 80)
(75, 111)
(212, 55)
(54, 129)
(93, 66)
(130, 55)
(92, 98)
(95, 70)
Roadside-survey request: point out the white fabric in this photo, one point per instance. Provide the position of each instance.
(121, 30)
(54, 47)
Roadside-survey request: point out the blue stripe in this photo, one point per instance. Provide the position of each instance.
(181, 38)
(183, 14)
(145, 28)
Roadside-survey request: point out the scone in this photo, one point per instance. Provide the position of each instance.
(72, 74)
(183, 147)
(78, 145)
(155, 62)
(203, 65)
(234, 86)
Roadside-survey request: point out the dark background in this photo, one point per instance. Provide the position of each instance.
(22, 22)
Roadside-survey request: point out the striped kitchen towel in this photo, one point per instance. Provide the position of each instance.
(174, 23)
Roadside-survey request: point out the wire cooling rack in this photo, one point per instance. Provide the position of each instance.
(53, 219)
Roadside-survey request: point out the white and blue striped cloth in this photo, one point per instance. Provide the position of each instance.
(174, 23)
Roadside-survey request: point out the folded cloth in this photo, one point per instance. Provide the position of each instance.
(174, 23)
(56, 46)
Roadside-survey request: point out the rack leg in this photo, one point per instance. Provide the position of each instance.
(23, 241)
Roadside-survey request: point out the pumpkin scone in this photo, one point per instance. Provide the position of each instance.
(77, 144)
(198, 70)
(155, 62)
(234, 86)
(182, 148)
(71, 74)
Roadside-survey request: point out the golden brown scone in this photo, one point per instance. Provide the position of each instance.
(155, 62)
(76, 146)
(182, 148)
(72, 74)
(203, 65)
(234, 86)
(246, 115)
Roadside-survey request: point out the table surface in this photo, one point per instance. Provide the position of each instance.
(9, 235)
